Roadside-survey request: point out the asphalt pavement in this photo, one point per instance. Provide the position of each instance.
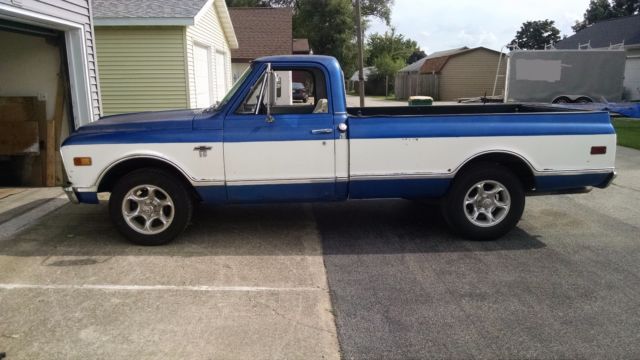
(565, 284)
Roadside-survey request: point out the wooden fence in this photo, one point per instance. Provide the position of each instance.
(411, 84)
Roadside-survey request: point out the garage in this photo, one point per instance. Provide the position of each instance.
(48, 87)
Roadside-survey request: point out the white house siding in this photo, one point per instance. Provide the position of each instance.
(208, 32)
(75, 11)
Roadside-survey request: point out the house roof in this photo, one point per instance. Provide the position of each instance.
(435, 62)
(146, 8)
(417, 65)
(262, 32)
(604, 33)
(301, 46)
(160, 13)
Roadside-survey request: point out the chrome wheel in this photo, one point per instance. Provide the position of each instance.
(487, 203)
(148, 209)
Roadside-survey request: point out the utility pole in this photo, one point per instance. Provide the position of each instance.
(360, 55)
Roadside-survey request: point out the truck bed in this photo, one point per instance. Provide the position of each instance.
(453, 110)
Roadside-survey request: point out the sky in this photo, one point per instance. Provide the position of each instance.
(440, 25)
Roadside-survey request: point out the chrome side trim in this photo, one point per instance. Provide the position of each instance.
(402, 176)
(280, 181)
(193, 181)
(573, 172)
(488, 152)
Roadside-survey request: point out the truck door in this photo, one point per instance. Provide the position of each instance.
(289, 155)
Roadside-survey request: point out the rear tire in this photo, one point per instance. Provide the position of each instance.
(485, 202)
(150, 206)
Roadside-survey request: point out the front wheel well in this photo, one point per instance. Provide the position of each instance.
(109, 179)
(514, 163)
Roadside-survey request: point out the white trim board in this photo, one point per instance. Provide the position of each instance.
(79, 78)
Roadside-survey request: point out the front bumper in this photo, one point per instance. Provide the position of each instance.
(71, 194)
(81, 195)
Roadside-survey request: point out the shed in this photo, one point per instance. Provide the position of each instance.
(163, 54)
(452, 74)
(48, 85)
(623, 32)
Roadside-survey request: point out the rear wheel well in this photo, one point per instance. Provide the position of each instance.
(514, 163)
(121, 169)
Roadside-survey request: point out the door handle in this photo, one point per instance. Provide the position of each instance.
(321, 131)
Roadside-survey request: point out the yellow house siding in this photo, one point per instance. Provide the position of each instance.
(471, 74)
(207, 32)
(141, 68)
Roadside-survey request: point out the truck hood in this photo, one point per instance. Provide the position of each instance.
(152, 120)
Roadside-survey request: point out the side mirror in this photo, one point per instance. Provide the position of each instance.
(272, 84)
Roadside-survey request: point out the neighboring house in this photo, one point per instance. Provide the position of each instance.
(163, 54)
(301, 47)
(620, 32)
(48, 85)
(264, 32)
(260, 32)
(452, 74)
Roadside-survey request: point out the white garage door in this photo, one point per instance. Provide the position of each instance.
(202, 66)
(221, 79)
(632, 78)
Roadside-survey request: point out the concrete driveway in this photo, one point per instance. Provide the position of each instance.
(242, 283)
(265, 282)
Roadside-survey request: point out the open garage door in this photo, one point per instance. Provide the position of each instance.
(34, 104)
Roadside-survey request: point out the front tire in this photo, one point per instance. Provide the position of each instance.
(485, 202)
(150, 206)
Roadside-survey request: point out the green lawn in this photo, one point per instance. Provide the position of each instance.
(628, 132)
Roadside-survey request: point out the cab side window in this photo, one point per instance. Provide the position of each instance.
(298, 91)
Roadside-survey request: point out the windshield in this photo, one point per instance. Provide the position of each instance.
(231, 92)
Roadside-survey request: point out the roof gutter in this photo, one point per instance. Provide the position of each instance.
(134, 21)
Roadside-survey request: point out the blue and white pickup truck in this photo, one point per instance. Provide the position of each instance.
(259, 145)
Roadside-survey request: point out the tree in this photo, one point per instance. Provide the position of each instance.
(387, 66)
(330, 27)
(534, 35)
(328, 24)
(625, 7)
(388, 53)
(395, 45)
(416, 55)
(600, 10)
(370, 8)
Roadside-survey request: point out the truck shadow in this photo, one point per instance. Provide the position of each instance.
(400, 226)
(361, 227)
